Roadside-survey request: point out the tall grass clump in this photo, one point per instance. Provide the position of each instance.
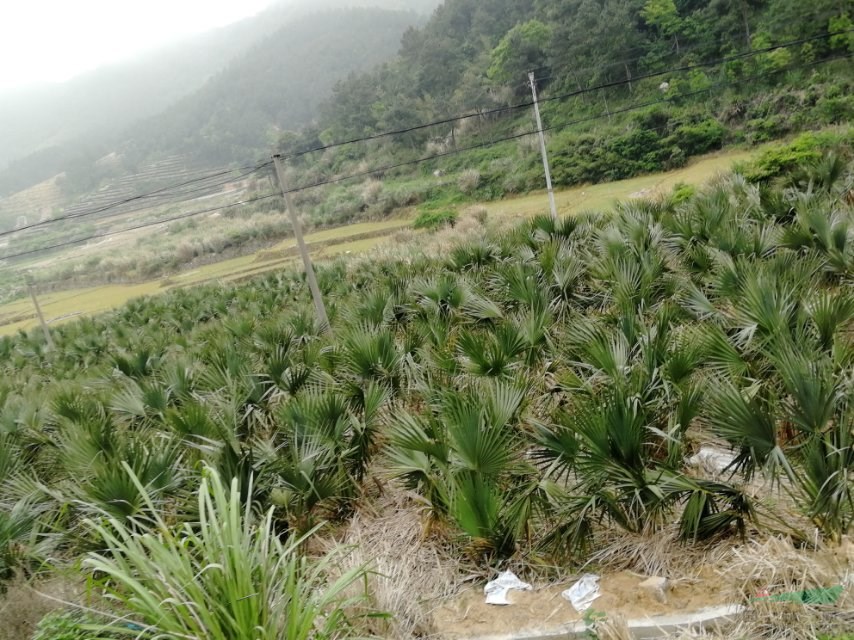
(227, 576)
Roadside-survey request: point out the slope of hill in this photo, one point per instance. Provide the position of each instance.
(277, 85)
(627, 87)
(106, 99)
(47, 130)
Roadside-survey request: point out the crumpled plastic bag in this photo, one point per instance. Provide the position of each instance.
(496, 590)
(584, 592)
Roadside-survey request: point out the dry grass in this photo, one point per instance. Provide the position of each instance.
(410, 577)
(778, 567)
(656, 554)
(25, 603)
(781, 622)
(775, 565)
(613, 628)
(771, 564)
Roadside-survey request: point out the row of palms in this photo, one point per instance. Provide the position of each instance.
(532, 386)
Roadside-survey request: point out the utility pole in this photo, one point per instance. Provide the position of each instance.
(39, 313)
(306, 259)
(552, 204)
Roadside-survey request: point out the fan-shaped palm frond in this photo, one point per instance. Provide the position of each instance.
(831, 312)
(747, 419)
(137, 364)
(813, 388)
(481, 510)
(472, 256)
(18, 531)
(373, 356)
(491, 353)
(826, 482)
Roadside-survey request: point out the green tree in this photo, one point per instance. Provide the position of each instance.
(663, 15)
(520, 50)
(841, 41)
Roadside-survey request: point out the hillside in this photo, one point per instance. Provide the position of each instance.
(628, 86)
(51, 129)
(277, 85)
(215, 463)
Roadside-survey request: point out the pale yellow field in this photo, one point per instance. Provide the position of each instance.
(66, 305)
(603, 196)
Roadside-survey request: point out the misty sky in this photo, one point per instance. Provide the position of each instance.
(54, 40)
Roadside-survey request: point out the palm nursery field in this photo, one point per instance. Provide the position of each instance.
(530, 392)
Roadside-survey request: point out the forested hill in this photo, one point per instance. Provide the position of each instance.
(474, 54)
(277, 85)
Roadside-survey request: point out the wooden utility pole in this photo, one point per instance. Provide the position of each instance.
(552, 204)
(306, 259)
(39, 313)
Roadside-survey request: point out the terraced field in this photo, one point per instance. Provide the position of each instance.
(61, 306)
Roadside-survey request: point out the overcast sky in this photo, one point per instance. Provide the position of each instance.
(54, 40)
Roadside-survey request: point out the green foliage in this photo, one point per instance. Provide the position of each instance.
(682, 193)
(805, 149)
(433, 220)
(226, 577)
(520, 50)
(75, 625)
(842, 26)
(530, 387)
(663, 15)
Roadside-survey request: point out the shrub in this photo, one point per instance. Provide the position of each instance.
(435, 219)
(700, 137)
(371, 191)
(835, 110)
(805, 149)
(682, 193)
(469, 180)
(72, 625)
(767, 128)
(478, 212)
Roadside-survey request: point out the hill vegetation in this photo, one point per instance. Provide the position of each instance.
(473, 57)
(529, 392)
(627, 87)
(534, 389)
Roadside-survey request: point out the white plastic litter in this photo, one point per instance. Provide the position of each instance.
(496, 590)
(584, 592)
(712, 458)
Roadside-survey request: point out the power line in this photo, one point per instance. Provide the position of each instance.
(118, 203)
(143, 225)
(571, 94)
(563, 96)
(489, 143)
(457, 151)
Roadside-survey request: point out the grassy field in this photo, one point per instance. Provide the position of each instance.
(62, 306)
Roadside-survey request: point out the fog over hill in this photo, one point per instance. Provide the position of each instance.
(179, 93)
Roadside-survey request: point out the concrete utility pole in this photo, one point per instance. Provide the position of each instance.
(306, 259)
(39, 313)
(552, 204)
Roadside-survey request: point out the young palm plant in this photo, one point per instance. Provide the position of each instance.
(465, 458)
